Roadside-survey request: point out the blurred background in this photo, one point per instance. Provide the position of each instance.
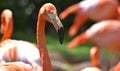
(25, 18)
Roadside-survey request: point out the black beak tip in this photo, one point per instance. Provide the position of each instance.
(61, 35)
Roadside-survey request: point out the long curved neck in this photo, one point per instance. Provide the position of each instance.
(41, 41)
(7, 30)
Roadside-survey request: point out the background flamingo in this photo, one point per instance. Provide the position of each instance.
(6, 24)
(94, 54)
(17, 50)
(116, 67)
(15, 66)
(15, 47)
(95, 57)
(11, 49)
(96, 10)
(105, 35)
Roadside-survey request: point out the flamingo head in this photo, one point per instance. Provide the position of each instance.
(48, 12)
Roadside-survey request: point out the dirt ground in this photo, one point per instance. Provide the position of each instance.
(63, 63)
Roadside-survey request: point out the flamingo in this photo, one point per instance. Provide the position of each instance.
(95, 57)
(47, 12)
(17, 50)
(95, 10)
(94, 52)
(15, 66)
(6, 24)
(116, 67)
(10, 49)
(105, 35)
(14, 50)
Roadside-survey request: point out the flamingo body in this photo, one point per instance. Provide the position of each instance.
(15, 66)
(18, 50)
(98, 10)
(104, 34)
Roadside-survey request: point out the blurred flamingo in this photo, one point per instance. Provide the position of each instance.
(116, 67)
(15, 66)
(95, 57)
(14, 50)
(11, 49)
(6, 24)
(18, 50)
(96, 10)
(104, 34)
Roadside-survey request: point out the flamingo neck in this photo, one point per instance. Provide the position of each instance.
(7, 29)
(41, 41)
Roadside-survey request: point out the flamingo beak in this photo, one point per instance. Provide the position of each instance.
(58, 25)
